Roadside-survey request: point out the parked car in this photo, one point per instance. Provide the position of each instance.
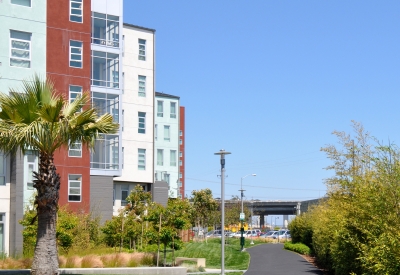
(214, 234)
(271, 234)
(283, 234)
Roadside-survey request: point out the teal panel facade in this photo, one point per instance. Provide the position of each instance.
(19, 20)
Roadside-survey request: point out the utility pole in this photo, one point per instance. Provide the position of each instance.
(222, 153)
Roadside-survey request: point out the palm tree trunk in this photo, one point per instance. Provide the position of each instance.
(47, 183)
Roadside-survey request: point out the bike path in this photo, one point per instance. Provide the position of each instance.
(272, 259)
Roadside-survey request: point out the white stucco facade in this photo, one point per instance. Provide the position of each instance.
(166, 141)
(137, 123)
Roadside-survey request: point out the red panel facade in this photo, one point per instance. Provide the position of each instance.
(182, 148)
(60, 30)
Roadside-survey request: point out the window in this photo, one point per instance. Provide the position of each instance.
(106, 153)
(180, 142)
(155, 132)
(160, 157)
(172, 158)
(74, 187)
(166, 178)
(180, 163)
(142, 123)
(105, 69)
(142, 85)
(166, 133)
(180, 154)
(142, 49)
(75, 149)
(20, 49)
(173, 110)
(105, 30)
(74, 93)
(26, 3)
(124, 195)
(180, 175)
(2, 169)
(31, 166)
(160, 108)
(75, 54)
(142, 159)
(180, 133)
(75, 11)
(106, 103)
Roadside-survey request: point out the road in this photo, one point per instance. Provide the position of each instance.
(272, 259)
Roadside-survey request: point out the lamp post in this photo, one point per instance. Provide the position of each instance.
(222, 153)
(242, 213)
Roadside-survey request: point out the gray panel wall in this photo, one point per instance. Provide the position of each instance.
(16, 204)
(160, 192)
(101, 197)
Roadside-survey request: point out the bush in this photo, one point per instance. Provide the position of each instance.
(298, 247)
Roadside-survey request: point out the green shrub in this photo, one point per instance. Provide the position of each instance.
(298, 247)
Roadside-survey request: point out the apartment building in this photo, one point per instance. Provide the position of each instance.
(137, 113)
(166, 141)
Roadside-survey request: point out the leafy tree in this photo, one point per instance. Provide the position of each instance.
(40, 119)
(233, 210)
(204, 208)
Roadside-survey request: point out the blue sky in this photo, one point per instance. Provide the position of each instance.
(270, 80)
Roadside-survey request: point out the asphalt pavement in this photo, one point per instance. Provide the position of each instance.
(272, 259)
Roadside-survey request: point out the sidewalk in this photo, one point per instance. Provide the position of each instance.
(272, 259)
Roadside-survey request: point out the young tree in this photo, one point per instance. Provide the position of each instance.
(204, 207)
(40, 119)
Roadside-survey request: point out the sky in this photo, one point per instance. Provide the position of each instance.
(269, 81)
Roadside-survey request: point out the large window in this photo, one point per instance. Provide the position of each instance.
(142, 159)
(173, 110)
(160, 108)
(160, 157)
(106, 153)
(142, 123)
(26, 3)
(172, 158)
(74, 187)
(2, 169)
(142, 85)
(124, 194)
(106, 103)
(105, 30)
(75, 11)
(167, 133)
(75, 53)
(20, 49)
(142, 49)
(105, 69)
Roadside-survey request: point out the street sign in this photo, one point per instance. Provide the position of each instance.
(242, 216)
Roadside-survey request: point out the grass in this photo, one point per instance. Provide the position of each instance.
(234, 258)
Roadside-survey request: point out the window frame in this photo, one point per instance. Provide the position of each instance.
(167, 133)
(160, 162)
(30, 4)
(160, 103)
(70, 54)
(141, 153)
(19, 58)
(73, 8)
(141, 123)
(172, 115)
(124, 188)
(142, 56)
(69, 187)
(142, 80)
(172, 160)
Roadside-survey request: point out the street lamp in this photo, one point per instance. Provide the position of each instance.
(242, 213)
(222, 153)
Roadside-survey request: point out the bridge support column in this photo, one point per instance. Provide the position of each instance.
(262, 221)
(285, 220)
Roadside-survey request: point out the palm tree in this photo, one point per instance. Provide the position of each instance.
(38, 118)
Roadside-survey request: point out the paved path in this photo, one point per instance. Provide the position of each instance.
(272, 259)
